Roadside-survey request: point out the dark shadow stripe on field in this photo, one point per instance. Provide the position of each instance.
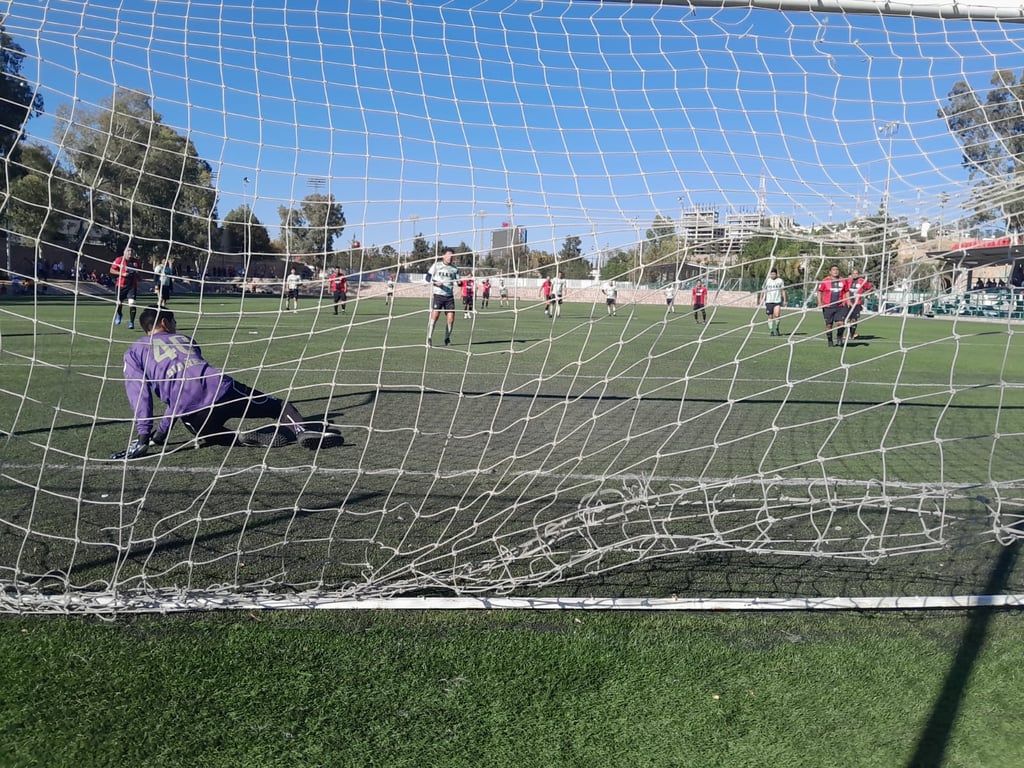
(605, 397)
(934, 738)
(146, 550)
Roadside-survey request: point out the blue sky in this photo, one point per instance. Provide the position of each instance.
(430, 117)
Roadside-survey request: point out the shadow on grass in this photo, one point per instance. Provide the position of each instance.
(934, 738)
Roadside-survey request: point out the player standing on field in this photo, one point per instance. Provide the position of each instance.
(545, 293)
(856, 288)
(170, 366)
(670, 297)
(610, 293)
(700, 300)
(558, 292)
(468, 284)
(125, 269)
(442, 277)
(163, 281)
(833, 299)
(502, 292)
(485, 293)
(389, 290)
(339, 287)
(773, 296)
(292, 290)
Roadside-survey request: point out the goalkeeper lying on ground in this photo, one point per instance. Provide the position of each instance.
(170, 365)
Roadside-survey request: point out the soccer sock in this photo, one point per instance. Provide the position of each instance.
(430, 329)
(131, 314)
(448, 330)
(829, 336)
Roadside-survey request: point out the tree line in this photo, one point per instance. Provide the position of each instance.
(122, 174)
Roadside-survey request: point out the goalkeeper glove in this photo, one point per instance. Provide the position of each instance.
(135, 450)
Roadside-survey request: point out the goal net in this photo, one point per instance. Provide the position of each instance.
(610, 443)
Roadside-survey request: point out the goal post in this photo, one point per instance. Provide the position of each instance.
(287, 180)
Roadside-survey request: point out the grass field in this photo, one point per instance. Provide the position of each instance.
(635, 454)
(791, 690)
(658, 458)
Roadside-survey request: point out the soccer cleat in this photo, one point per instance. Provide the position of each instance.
(447, 341)
(131, 325)
(315, 439)
(267, 437)
(831, 343)
(117, 319)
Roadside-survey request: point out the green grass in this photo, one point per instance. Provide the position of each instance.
(627, 455)
(519, 426)
(525, 689)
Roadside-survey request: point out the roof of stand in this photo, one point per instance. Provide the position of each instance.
(973, 254)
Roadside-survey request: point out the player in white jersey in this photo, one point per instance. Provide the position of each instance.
(558, 292)
(292, 283)
(773, 295)
(443, 277)
(610, 294)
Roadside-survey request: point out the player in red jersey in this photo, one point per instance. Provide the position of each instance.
(699, 297)
(857, 287)
(545, 293)
(468, 285)
(339, 287)
(834, 300)
(125, 269)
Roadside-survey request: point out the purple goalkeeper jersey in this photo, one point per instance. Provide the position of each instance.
(172, 367)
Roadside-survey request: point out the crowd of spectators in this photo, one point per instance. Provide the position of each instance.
(989, 285)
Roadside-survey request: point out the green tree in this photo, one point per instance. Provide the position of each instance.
(310, 228)
(389, 257)
(18, 100)
(618, 266)
(37, 191)
(760, 254)
(571, 261)
(245, 233)
(423, 253)
(991, 138)
(139, 179)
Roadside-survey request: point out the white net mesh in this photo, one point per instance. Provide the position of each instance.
(635, 450)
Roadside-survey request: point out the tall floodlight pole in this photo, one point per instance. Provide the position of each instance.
(246, 233)
(512, 238)
(483, 237)
(640, 251)
(412, 241)
(889, 131)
